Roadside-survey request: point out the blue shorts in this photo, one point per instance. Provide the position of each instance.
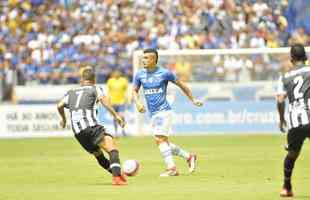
(119, 108)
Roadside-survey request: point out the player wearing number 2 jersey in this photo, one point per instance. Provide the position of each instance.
(295, 85)
(92, 136)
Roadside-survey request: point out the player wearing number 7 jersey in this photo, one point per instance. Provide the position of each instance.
(92, 136)
(295, 85)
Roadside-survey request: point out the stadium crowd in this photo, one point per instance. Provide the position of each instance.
(46, 42)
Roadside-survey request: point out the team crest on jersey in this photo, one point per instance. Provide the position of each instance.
(154, 79)
(150, 80)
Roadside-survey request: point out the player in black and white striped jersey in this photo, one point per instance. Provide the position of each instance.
(93, 137)
(295, 85)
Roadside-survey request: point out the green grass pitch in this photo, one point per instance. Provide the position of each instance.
(229, 168)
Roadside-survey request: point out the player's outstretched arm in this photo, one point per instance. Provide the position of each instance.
(106, 103)
(281, 111)
(188, 93)
(61, 111)
(136, 98)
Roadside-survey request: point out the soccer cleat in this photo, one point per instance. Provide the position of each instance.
(123, 177)
(192, 162)
(286, 193)
(170, 172)
(118, 180)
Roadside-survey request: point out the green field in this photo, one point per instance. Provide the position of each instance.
(230, 167)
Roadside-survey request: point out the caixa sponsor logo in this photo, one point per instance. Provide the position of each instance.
(153, 91)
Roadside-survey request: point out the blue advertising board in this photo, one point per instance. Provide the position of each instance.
(215, 117)
(226, 117)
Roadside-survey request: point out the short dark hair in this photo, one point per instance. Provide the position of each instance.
(152, 51)
(88, 74)
(298, 52)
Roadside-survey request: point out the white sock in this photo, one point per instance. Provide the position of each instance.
(166, 152)
(178, 151)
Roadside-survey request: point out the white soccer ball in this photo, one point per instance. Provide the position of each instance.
(131, 167)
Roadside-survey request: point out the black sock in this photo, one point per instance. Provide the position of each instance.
(288, 169)
(115, 163)
(104, 162)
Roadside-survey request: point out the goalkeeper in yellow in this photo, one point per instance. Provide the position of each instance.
(117, 86)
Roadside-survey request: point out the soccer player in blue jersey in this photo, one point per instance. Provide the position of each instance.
(154, 80)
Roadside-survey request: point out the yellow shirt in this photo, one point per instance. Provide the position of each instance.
(117, 89)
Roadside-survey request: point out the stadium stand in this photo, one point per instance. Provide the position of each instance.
(46, 42)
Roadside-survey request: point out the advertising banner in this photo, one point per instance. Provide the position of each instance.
(216, 117)
(242, 117)
(31, 121)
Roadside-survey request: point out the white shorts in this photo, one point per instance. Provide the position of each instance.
(162, 123)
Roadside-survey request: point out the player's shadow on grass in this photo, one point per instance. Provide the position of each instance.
(302, 197)
(100, 184)
(187, 174)
(107, 183)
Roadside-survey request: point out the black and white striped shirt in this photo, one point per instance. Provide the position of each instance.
(296, 85)
(81, 102)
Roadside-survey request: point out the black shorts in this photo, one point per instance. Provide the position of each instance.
(296, 137)
(90, 137)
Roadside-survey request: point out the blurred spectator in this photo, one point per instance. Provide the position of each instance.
(57, 37)
(299, 36)
(1, 81)
(9, 78)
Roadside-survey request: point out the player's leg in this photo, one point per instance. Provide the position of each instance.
(89, 139)
(109, 146)
(178, 151)
(102, 160)
(94, 138)
(115, 122)
(289, 163)
(161, 127)
(295, 139)
(166, 152)
(191, 158)
(123, 128)
(162, 123)
(99, 139)
(121, 112)
(115, 127)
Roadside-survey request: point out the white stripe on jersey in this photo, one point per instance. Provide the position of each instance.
(94, 116)
(304, 68)
(75, 127)
(294, 118)
(299, 114)
(83, 124)
(89, 117)
(304, 117)
(289, 124)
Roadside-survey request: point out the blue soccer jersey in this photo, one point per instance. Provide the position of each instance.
(155, 84)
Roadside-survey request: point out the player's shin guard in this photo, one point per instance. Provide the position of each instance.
(104, 162)
(115, 163)
(288, 169)
(166, 152)
(178, 151)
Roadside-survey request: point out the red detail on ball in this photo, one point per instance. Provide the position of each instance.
(135, 171)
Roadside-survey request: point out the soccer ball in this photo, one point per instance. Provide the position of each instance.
(131, 167)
